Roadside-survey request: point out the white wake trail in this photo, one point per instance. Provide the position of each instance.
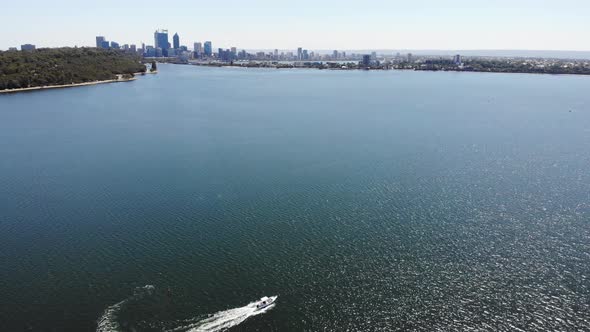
(226, 319)
(108, 322)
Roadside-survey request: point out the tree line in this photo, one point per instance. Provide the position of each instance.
(59, 66)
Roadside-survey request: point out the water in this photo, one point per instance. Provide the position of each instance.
(366, 201)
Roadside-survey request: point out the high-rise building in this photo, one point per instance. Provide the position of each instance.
(373, 55)
(105, 44)
(410, 58)
(457, 59)
(299, 53)
(366, 61)
(305, 55)
(132, 48)
(114, 45)
(198, 49)
(99, 41)
(224, 55)
(208, 50)
(150, 51)
(176, 41)
(161, 41)
(27, 47)
(335, 54)
(276, 54)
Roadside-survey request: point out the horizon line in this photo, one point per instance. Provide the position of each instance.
(354, 49)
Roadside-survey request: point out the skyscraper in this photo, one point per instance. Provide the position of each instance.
(198, 49)
(99, 41)
(208, 48)
(366, 61)
(176, 41)
(161, 41)
(300, 53)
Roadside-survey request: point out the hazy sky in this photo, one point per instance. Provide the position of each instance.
(326, 24)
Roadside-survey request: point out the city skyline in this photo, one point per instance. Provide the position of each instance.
(346, 25)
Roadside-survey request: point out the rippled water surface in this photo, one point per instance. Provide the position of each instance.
(367, 201)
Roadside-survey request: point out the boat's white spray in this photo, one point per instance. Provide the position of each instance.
(226, 319)
(220, 321)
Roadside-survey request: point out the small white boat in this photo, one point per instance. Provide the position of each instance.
(265, 302)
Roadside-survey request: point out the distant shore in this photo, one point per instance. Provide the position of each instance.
(73, 85)
(476, 65)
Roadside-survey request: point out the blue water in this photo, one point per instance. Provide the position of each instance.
(367, 201)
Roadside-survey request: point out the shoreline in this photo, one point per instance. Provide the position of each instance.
(384, 70)
(73, 85)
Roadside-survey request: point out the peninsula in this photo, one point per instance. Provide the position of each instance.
(65, 67)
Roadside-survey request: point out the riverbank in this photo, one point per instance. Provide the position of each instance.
(73, 85)
(509, 66)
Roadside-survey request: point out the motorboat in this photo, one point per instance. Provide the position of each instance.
(265, 302)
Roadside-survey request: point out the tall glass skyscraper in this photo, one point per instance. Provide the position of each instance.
(198, 48)
(176, 41)
(208, 48)
(161, 41)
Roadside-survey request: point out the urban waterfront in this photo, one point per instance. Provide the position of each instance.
(366, 200)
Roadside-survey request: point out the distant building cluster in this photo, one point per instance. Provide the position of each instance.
(101, 42)
(203, 51)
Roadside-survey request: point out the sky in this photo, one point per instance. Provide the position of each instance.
(314, 25)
